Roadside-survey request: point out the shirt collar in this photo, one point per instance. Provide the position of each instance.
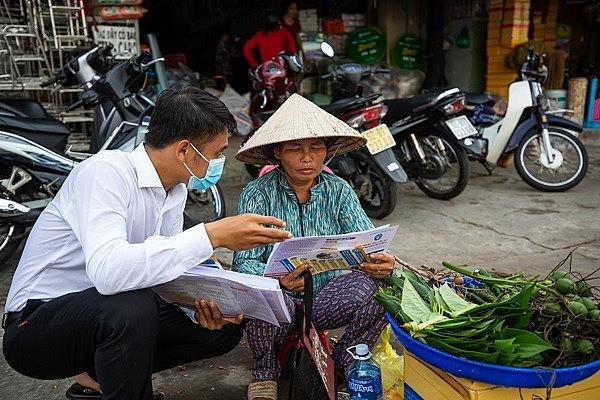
(146, 173)
(315, 191)
(147, 176)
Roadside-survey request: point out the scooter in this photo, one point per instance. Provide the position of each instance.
(33, 160)
(15, 219)
(431, 140)
(547, 153)
(373, 170)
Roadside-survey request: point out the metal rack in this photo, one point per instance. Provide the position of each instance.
(37, 37)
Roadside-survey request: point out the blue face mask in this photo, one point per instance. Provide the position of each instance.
(213, 173)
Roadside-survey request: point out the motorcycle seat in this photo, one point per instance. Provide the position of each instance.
(478, 99)
(38, 125)
(22, 108)
(263, 116)
(400, 108)
(338, 106)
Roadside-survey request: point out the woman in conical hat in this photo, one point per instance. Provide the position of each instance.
(298, 137)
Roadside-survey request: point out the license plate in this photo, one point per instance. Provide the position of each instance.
(379, 139)
(461, 127)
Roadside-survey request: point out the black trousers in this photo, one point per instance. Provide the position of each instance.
(119, 340)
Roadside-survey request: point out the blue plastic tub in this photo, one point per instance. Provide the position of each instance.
(491, 373)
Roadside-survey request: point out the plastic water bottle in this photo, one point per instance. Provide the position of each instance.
(364, 375)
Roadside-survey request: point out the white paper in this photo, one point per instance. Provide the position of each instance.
(235, 293)
(327, 252)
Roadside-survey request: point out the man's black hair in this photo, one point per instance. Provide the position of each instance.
(271, 23)
(188, 114)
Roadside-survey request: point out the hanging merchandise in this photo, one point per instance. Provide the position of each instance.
(366, 45)
(407, 53)
(463, 38)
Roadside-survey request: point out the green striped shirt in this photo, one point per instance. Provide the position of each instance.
(332, 209)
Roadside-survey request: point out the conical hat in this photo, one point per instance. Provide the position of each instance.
(298, 118)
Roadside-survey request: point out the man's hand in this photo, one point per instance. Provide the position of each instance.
(381, 267)
(209, 316)
(246, 231)
(294, 281)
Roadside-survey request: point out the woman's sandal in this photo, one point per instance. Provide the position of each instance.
(262, 389)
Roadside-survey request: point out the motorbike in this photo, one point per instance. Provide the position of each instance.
(274, 81)
(373, 170)
(16, 218)
(34, 161)
(545, 147)
(431, 141)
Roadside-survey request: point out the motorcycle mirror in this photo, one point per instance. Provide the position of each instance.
(327, 49)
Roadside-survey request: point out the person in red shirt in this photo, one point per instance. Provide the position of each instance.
(269, 41)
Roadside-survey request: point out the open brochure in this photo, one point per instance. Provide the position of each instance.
(325, 253)
(235, 293)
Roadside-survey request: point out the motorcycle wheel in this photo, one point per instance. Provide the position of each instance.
(446, 173)
(204, 206)
(375, 190)
(567, 170)
(8, 244)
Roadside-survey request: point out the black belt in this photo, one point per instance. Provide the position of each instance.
(17, 316)
(10, 318)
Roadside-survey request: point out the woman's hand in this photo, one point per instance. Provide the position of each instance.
(209, 316)
(381, 267)
(294, 281)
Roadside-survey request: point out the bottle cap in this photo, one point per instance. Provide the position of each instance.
(362, 350)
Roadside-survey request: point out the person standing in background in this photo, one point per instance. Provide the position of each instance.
(289, 21)
(223, 68)
(269, 41)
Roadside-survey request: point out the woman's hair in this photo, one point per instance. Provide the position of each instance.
(272, 23)
(188, 114)
(285, 6)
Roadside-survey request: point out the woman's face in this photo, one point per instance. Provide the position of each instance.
(292, 10)
(302, 160)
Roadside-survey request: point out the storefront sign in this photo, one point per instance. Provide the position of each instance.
(407, 53)
(366, 45)
(123, 38)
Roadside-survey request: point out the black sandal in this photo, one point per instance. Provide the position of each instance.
(80, 392)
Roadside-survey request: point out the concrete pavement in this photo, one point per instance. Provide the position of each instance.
(498, 222)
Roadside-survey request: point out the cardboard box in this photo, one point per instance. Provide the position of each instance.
(425, 382)
(501, 79)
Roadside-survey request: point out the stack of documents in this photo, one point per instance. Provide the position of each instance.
(235, 293)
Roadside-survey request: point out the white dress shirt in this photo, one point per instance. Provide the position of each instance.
(111, 226)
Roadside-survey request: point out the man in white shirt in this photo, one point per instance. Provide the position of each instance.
(80, 298)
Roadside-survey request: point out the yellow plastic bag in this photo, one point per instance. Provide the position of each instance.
(392, 366)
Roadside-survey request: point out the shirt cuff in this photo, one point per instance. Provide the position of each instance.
(190, 313)
(194, 245)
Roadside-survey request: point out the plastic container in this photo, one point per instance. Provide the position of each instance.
(493, 373)
(364, 375)
(558, 96)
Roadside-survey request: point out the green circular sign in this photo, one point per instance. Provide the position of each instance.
(407, 53)
(366, 45)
